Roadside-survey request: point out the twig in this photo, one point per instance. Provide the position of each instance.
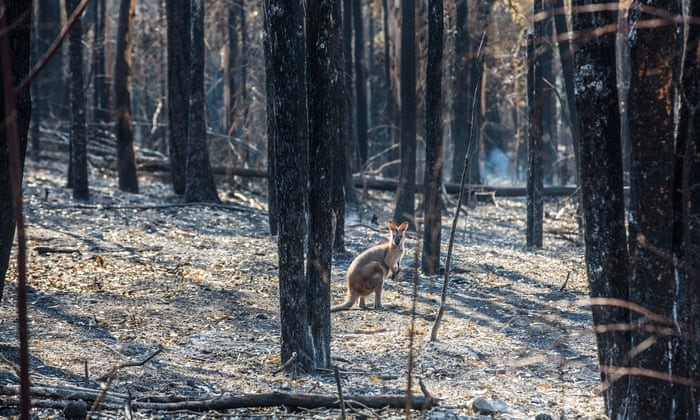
(428, 396)
(286, 364)
(340, 391)
(411, 335)
(563, 286)
(465, 174)
(131, 364)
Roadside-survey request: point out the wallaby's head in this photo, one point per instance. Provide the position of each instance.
(398, 233)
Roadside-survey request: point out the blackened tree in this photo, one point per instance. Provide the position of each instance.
(653, 282)
(326, 95)
(432, 209)
(199, 178)
(360, 81)
(602, 196)
(406, 191)
(178, 15)
(52, 89)
(126, 159)
(466, 73)
(101, 106)
(535, 105)
(686, 202)
(284, 23)
(18, 18)
(78, 174)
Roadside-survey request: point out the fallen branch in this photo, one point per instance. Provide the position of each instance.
(49, 395)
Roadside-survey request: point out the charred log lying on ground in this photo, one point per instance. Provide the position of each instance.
(59, 396)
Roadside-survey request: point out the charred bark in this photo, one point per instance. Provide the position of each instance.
(199, 179)
(326, 103)
(406, 192)
(602, 199)
(78, 173)
(652, 279)
(285, 66)
(18, 17)
(360, 82)
(126, 159)
(178, 14)
(432, 208)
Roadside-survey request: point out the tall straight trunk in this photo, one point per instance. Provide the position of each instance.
(535, 104)
(178, 13)
(348, 72)
(126, 160)
(432, 209)
(18, 17)
(231, 59)
(54, 90)
(602, 199)
(550, 167)
(270, 95)
(285, 67)
(389, 112)
(686, 230)
(326, 129)
(461, 95)
(653, 281)
(360, 81)
(199, 178)
(566, 55)
(101, 113)
(406, 192)
(348, 143)
(78, 140)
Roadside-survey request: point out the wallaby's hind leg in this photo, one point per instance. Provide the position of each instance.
(378, 297)
(351, 299)
(362, 302)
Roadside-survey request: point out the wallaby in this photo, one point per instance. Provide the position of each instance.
(368, 270)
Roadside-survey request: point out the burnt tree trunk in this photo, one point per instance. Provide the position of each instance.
(432, 208)
(230, 64)
(326, 129)
(602, 199)
(686, 201)
(178, 14)
(199, 178)
(360, 82)
(566, 56)
(101, 113)
(653, 284)
(406, 191)
(126, 160)
(535, 103)
(285, 67)
(18, 17)
(78, 173)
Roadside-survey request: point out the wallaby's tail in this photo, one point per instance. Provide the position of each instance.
(345, 305)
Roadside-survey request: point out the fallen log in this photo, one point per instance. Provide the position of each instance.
(376, 183)
(50, 394)
(384, 184)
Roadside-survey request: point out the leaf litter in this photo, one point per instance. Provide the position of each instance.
(117, 278)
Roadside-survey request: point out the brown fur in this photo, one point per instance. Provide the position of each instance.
(368, 270)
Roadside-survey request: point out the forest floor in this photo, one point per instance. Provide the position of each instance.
(121, 277)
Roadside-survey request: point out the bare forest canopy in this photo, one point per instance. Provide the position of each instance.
(235, 89)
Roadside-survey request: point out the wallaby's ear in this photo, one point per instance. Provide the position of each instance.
(403, 227)
(392, 225)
